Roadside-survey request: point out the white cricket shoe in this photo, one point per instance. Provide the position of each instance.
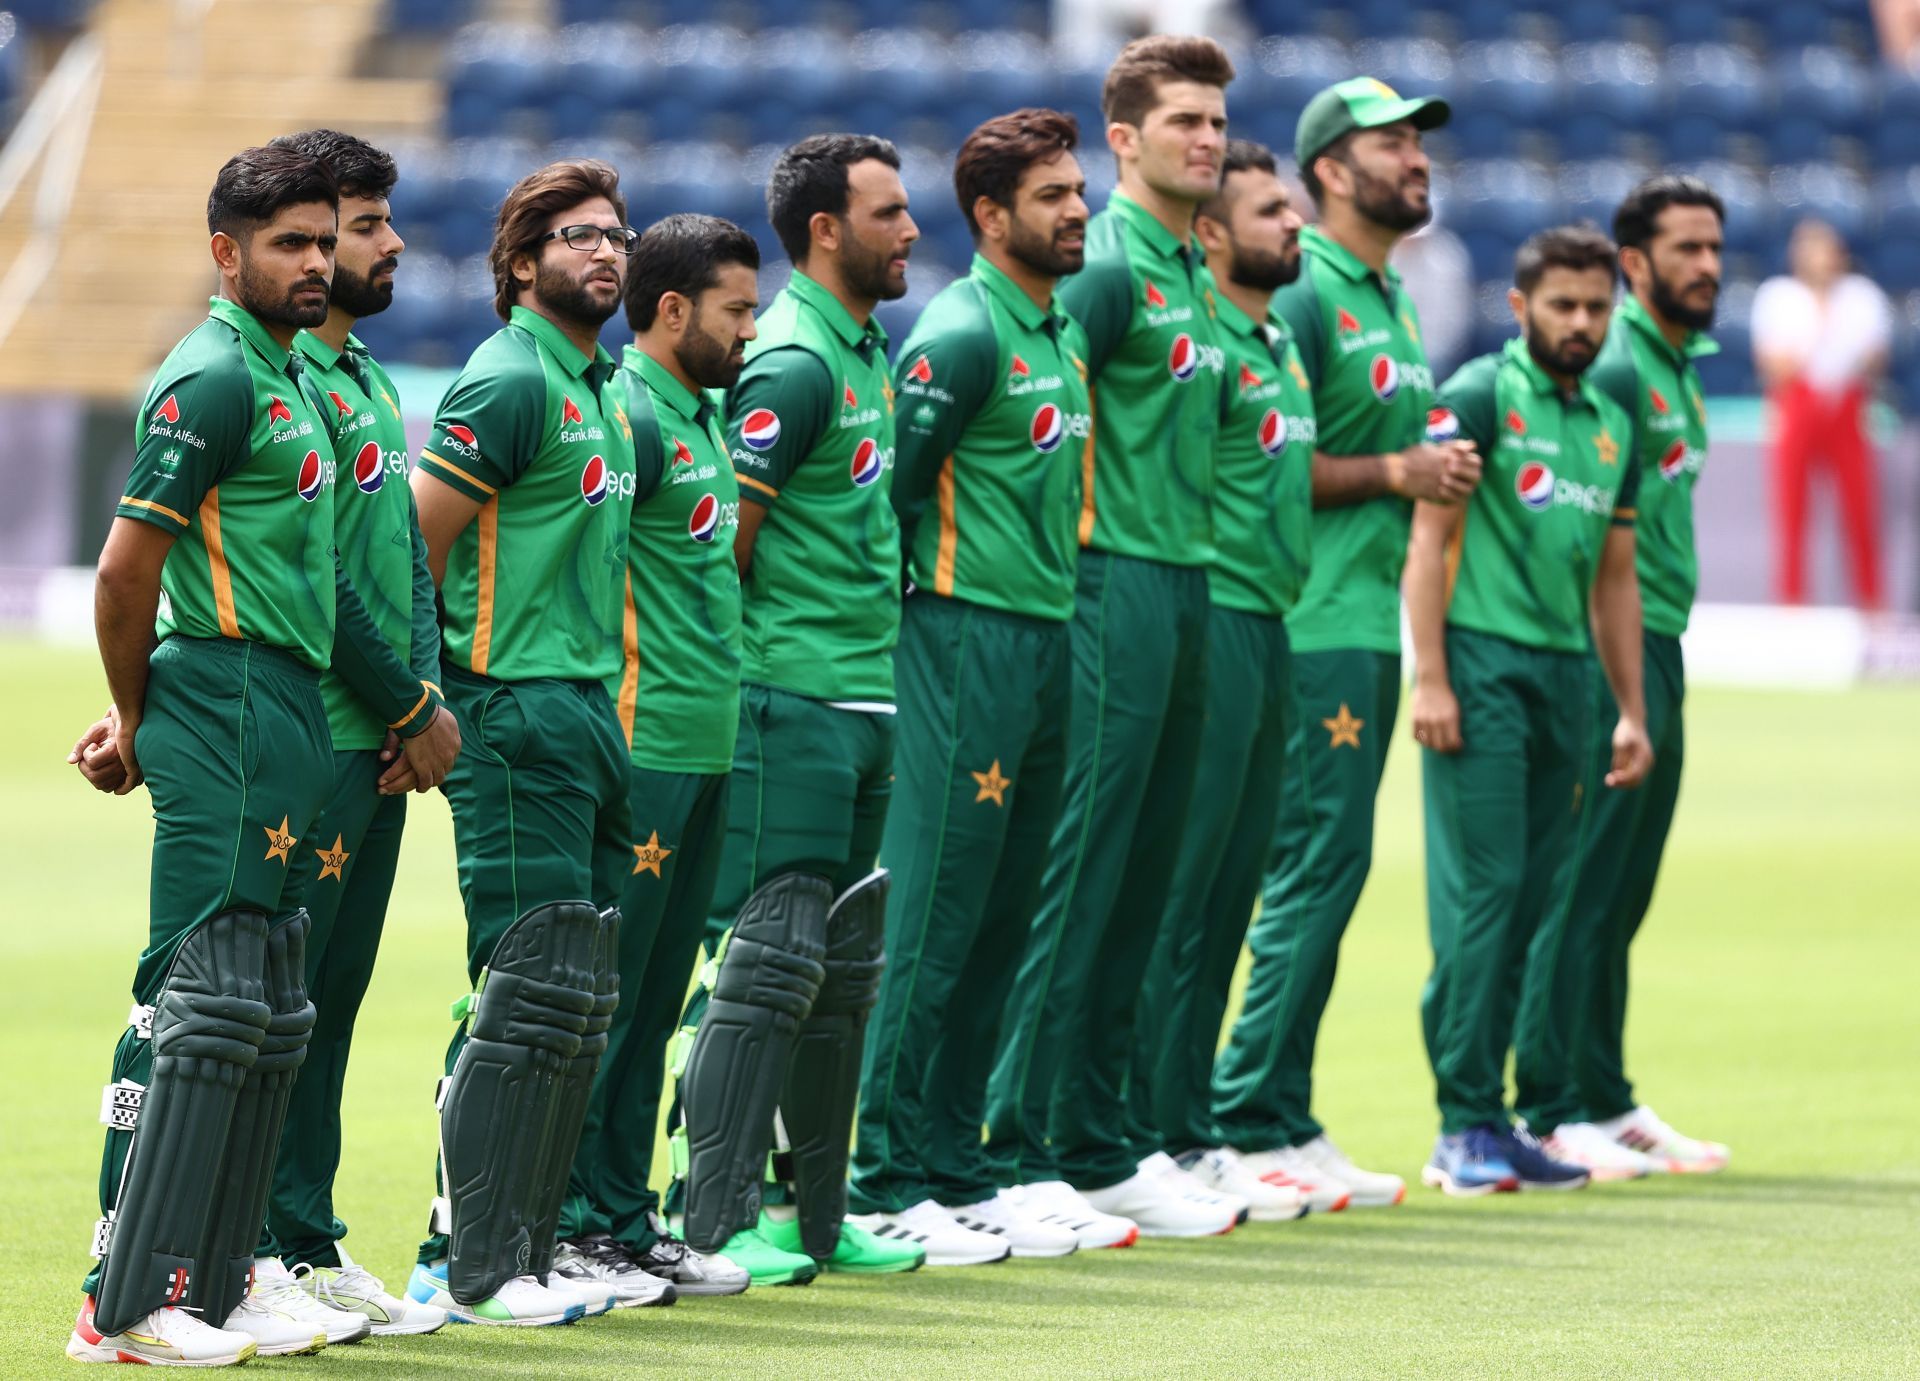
(1642, 1130)
(1603, 1158)
(1366, 1188)
(351, 1287)
(1009, 1220)
(521, 1302)
(1219, 1169)
(274, 1334)
(945, 1241)
(1060, 1204)
(276, 1287)
(1285, 1165)
(600, 1273)
(595, 1297)
(165, 1338)
(1165, 1205)
(1164, 1165)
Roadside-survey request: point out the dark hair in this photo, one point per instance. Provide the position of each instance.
(997, 155)
(256, 183)
(534, 201)
(359, 168)
(1340, 151)
(682, 254)
(1580, 246)
(1637, 220)
(810, 177)
(1132, 87)
(1243, 156)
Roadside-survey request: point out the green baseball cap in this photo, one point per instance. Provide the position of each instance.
(1360, 103)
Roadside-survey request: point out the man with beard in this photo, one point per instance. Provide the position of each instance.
(344, 873)
(993, 396)
(1357, 332)
(810, 431)
(524, 491)
(1057, 1115)
(1569, 1067)
(222, 551)
(1262, 516)
(1503, 593)
(690, 295)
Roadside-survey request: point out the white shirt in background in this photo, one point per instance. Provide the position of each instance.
(1834, 340)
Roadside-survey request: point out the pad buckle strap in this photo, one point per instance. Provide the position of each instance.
(442, 1214)
(679, 1050)
(102, 1235)
(120, 1104)
(678, 1154)
(467, 1004)
(140, 1018)
(710, 971)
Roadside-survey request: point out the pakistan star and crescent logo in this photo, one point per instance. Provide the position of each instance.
(333, 860)
(650, 855)
(279, 842)
(1344, 728)
(993, 786)
(1607, 448)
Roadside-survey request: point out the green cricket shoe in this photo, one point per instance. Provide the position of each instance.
(765, 1261)
(858, 1252)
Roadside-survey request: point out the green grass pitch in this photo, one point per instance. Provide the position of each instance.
(1774, 1009)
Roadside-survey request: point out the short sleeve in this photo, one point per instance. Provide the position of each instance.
(1298, 307)
(1469, 396)
(1100, 298)
(942, 380)
(649, 452)
(487, 430)
(775, 416)
(194, 430)
(1626, 503)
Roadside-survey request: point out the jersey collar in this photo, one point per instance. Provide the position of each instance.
(1158, 237)
(1014, 298)
(1697, 343)
(317, 351)
(1544, 383)
(1342, 260)
(252, 330)
(557, 345)
(834, 313)
(1231, 318)
(660, 382)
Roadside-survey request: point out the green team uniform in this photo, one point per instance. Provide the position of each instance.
(1569, 1063)
(1057, 1104)
(1359, 341)
(232, 458)
(1263, 515)
(677, 696)
(994, 421)
(1502, 811)
(344, 873)
(537, 434)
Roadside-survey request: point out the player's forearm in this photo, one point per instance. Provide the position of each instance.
(1617, 639)
(1424, 585)
(123, 613)
(1340, 481)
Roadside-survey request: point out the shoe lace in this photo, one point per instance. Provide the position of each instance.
(345, 1282)
(1651, 1121)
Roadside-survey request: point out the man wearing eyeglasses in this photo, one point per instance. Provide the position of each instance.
(524, 491)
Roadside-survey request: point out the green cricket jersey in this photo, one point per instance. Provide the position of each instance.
(678, 690)
(1659, 387)
(994, 425)
(1263, 469)
(232, 457)
(374, 527)
(810, 432)
(1557, 471)
(1153, 353)
(1359, 341)
(537, 433)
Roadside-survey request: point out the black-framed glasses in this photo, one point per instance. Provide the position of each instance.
(587, 238)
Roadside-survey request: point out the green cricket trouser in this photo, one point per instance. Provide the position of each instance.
(980, 762)
(235, 747)
(1501, 816)
(539, 798)
(810, 790)
(1569, 1065)
(1346, 700)
(344, 880)
(679, 825)
(1236, 795)
(1057, 1103)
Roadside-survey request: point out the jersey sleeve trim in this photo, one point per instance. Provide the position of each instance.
(760, 485)
(151, 512)
(472, 485)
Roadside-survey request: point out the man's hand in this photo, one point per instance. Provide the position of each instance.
(425, 757)
(95, 756)
(1632, 754)
(1436, 716)
(1439, 472)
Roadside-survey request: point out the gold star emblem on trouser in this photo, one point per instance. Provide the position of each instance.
(279, 842)
(993, 786)
(333, 860)
(650, 855)
(1344, 728)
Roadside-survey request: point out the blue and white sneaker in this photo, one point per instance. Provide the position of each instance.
(1537, 1169)
(1470, 1163)
(522, 1302)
